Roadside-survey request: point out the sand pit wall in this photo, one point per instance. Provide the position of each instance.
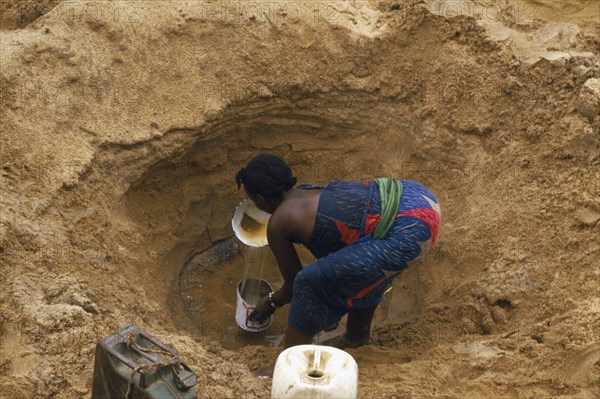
(123, 138)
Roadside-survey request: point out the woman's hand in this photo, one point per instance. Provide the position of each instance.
(262, 311)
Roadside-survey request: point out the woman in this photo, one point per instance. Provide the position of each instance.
(362, 233)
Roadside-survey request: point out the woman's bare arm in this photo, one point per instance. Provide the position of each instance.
(285, 254)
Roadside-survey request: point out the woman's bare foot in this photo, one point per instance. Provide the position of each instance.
(342, 342)
(265, 372)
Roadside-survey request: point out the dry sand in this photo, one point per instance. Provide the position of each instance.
(123, 123)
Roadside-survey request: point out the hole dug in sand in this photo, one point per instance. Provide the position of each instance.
(192, 194)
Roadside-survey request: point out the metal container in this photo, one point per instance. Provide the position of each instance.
(132, 364)
(249, 292)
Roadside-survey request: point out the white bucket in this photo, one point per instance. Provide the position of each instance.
(250, 224)
(315, 371)
(254, 290)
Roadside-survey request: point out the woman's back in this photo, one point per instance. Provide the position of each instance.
(347, 209)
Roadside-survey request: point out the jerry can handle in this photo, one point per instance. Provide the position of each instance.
(184, 376)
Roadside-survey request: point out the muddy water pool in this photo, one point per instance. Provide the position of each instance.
(207, 288)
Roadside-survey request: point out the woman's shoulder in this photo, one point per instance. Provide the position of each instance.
(333, 183)
(312, 186)
(293, 216)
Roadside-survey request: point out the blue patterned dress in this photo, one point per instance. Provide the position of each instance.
(353, 269)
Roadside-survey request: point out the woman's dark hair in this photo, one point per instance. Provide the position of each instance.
(266, 175)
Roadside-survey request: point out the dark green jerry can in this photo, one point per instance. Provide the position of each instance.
(132, 364)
